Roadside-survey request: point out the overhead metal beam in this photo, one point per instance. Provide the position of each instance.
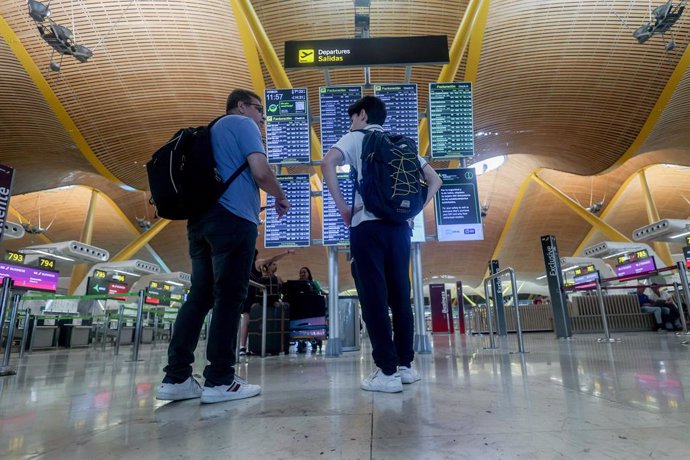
(52, 100)
(610, 232)
(660, 247)
(457, 50)
(22, 219)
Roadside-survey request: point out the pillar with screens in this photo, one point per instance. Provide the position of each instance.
(402, 109)
(287, 126)
(293, 229)
(335, 122)
(451, 129)
(335, 232)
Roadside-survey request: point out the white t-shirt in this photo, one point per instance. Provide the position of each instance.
(665, 296)
(351, 147)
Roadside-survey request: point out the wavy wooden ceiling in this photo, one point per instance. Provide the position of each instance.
(561, 85)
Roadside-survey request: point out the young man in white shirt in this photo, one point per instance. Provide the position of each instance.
(381, 254)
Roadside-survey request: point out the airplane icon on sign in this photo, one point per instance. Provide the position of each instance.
(306, 56)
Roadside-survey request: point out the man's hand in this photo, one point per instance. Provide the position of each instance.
(282, 207)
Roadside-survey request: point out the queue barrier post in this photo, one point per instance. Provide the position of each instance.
(138, 325)
(492, 341)
(155, 328)
(604, 321)
(518, 324)
(679, 304)
(25, 332)
(5, 369)
(104, 333)
(120, 314)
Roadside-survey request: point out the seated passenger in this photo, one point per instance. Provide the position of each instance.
(665, 300)
(647, 306)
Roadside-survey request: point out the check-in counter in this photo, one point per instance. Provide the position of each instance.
(74, 332)
(44, 333)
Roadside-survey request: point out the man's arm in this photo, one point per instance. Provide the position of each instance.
(433, 180)
(265, 179)
(333, 158)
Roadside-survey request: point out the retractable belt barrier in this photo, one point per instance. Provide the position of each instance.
(518, 325)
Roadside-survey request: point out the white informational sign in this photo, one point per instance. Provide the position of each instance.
(418, 234)
(458, 215)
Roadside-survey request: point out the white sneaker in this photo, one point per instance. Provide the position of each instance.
(189, 389)
(238, 389)
(408, 375)
(378, 381)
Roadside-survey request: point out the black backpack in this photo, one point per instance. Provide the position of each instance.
(393, 186)
(183, 177)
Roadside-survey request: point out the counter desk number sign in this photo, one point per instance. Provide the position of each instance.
(16, 257)
(46, 263)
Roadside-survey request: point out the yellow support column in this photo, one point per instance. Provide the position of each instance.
(79, 270)
(141, 241)
(457, 50)
(661, 248)
(250, 51)
(610, 232)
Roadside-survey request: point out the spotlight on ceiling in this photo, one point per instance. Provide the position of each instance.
(38, 11)
(81, 53)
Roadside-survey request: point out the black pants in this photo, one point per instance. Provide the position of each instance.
(221, 246)
(381, 253)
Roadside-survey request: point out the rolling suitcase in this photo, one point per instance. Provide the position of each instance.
(277, 329)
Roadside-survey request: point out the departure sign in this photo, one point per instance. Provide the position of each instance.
(46, 263)
(335, 122)
(401, 106)
(450, 120)
(16, 257)
(335, 233)
(457, 206)
(287, 126)
(294, 228)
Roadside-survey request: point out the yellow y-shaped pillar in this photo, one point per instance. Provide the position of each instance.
(141, 241)
(79, 270)
(653, 216)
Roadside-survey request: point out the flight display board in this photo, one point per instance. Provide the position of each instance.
(30, 278)
(451, 128)
(293, 229)
(401, 106)
(287, 126)
(586, 280)
(333, 104)
(686, 254)
(335, 232)
(458, 215)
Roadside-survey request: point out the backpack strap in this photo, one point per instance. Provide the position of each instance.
(239, 170)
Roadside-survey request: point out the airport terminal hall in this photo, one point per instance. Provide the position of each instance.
(344, 229)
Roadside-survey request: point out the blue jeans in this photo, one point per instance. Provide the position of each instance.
(381, 253)
(221, 246)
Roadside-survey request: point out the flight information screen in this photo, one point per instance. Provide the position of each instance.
(458, 215)
(450, 120)
(335, 233)
(287, 126)
(335, 122)
(401, 105)
(293, 229)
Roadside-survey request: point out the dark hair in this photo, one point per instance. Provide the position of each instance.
(373, 106)
(308, 271)
(240, 95)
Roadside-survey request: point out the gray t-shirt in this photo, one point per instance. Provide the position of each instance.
(351, 147)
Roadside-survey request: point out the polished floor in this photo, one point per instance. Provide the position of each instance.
(564, 399)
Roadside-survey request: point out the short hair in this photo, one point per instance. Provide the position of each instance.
(374, 107)
(239, 95)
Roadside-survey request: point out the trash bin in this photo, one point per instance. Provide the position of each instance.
(348, 314)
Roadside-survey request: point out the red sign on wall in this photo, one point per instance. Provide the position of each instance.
(441, 313)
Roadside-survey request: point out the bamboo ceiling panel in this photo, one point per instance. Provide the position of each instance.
(32, 140)
(567, 82)
(157, 65)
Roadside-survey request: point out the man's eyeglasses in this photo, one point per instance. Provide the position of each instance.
(258, 107)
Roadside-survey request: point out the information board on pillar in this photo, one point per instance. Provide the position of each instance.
(418, 233)
(402, 109)
(287, 126)
(335, 232)
(450, 120)
(293, 229)
(457, 206)
(333, 104)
